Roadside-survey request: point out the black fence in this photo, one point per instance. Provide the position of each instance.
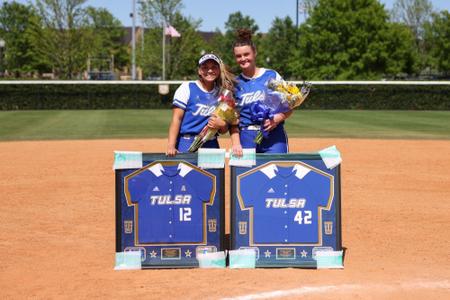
(26, 96)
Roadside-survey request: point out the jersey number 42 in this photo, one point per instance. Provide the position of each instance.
(303, 217)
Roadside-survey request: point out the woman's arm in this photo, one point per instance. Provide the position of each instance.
(217, 123)
(236, 146)
(270, 124)
(174, 129)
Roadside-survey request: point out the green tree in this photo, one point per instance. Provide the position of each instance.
(15, 23)
(182, 53)
(157, 12)
(278, 45)
(185, 51)
(223, 44)
(402, 53)
(307, 6)
(107, 34)
(437, 37)
(346, 39)
(415, 14)
(60, 37)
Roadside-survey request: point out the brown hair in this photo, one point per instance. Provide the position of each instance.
(244, 38)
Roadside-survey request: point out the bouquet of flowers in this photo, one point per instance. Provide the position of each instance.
(281, 97)
(226, 110)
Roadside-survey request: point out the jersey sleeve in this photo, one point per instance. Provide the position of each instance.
(181, 96)
(201, 183)
(278, 76)
(322, 187)
(205, 186)
(247, 187)
(138, 186)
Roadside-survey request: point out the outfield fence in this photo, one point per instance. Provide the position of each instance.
(35, 95)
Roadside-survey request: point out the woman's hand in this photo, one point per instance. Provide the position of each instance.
(236, 150)
(271, 124)
(171, 151)
(217, 123)
(174, 130)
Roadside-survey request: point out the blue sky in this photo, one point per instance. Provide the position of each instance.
(215, 13)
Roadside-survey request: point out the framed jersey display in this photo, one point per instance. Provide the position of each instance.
(286, 207)
(169, 209)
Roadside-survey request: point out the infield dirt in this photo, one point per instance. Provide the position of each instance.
(58, 227)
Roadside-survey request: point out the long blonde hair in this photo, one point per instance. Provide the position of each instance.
(227, 80)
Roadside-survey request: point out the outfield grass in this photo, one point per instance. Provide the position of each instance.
(102, 124)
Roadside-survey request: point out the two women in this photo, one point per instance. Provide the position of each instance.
(193, 103)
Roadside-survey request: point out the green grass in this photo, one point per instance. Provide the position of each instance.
(370, 124)
(102, 124)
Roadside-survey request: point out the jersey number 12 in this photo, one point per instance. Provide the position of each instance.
(185, 214)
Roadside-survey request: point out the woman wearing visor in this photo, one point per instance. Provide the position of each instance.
(193, 104)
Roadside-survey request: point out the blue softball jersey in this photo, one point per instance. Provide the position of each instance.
(198, 105)
(249, 90)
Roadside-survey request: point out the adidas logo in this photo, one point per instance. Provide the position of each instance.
(156, 189)
(183, 188)
(271, 190)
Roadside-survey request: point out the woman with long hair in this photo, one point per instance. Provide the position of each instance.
(194, 103)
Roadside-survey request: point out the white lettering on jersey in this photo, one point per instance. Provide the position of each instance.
(167, 200)
(249, 98)
(203, 110)
(283, 203)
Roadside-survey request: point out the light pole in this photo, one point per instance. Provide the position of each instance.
(133, 42)
(163, 49)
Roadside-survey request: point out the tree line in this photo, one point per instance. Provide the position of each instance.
(339, 40)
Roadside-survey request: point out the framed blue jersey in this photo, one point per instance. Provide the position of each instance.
(175, 192)
(170, 210)
(286, 207)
